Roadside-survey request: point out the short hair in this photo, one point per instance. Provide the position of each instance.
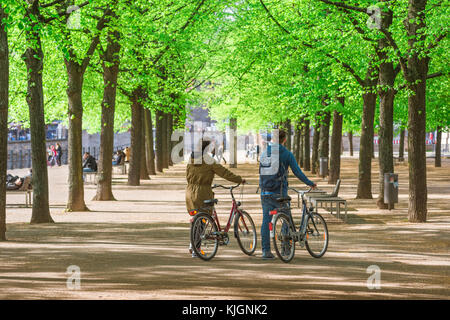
(281, 135)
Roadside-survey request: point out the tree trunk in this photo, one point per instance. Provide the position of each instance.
(365, 147)
(233, 143)
(437, 158)
(144, 171)
(416, 75)
(150, 153)
(301, 144)
(350, 142)
(159, 140)
(401, 146)
(169, 138)
(324, 137)
(288, 135)
(134, 171)
(306, 146)
(74, 95)
(34, 60)
(336, 141)
(297, 148)
(165, 149)
(315, 149)
(417, 211)
(110, 66)
(4, 98)
(386, 92)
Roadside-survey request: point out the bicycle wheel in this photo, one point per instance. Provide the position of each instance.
(316, 235)
(283, 237)
(204, 236)
(245, 232)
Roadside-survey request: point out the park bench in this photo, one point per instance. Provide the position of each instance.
(24, 189)
(90, 177)
(321, 199)
(122, 168)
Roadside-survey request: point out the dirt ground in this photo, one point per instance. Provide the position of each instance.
(137, 247)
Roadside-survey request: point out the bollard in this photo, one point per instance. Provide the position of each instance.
(390, 189)
(323, 167)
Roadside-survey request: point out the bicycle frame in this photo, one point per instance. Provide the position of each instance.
(305, 213)
(234, 209)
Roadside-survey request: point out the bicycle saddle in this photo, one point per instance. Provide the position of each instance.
(284, 199)
(210, 202)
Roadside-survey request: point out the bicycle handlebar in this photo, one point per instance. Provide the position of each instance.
(224, 187)
(300, 191)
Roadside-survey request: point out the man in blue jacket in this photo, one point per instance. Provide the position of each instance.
(274, 165)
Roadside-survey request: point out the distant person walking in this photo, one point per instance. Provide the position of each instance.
(58, 151)
(52, 156)
(219, 154)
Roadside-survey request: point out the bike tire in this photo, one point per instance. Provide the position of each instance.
(284, 245)
(244, 226)
(202, 227)
(316, 235)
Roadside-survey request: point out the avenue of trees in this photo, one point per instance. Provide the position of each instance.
(359, 67)
(354, 66)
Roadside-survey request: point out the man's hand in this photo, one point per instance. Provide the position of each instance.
(244, 181)
(314, 186)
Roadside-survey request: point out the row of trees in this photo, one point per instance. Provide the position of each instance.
(100, 64)
(317, 62)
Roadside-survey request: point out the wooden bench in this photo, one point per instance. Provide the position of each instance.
(24, 189)
(318, 200)
(318, 203)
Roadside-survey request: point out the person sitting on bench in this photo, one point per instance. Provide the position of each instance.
(16, 183)
(89, 163)
(119, 158)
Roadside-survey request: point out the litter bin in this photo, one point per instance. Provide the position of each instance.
(390, 189)
(323, 167)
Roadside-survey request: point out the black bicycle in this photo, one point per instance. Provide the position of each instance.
(312, 232)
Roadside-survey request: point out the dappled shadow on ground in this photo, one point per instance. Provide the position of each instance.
(137, 247)
(134, 260)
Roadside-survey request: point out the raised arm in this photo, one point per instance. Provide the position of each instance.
(226, 174)
(297, 171)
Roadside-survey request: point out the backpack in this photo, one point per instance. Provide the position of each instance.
(271, 172)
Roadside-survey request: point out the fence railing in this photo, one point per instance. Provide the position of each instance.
(22, 159)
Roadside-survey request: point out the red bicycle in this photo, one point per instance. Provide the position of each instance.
(207, 234)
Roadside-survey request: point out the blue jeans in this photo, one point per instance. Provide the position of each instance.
(268, 203)
(88, 170)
